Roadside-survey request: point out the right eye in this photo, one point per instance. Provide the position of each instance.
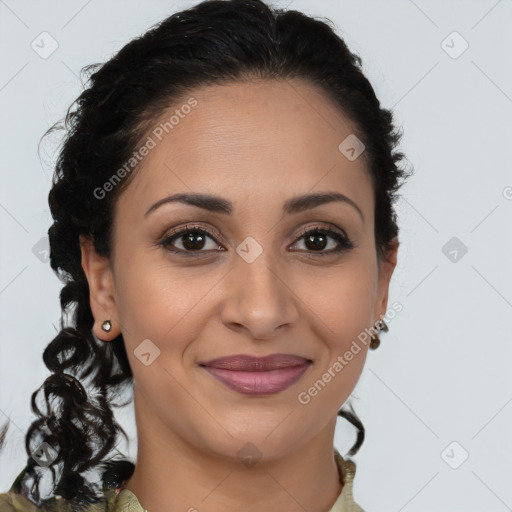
(192, 239)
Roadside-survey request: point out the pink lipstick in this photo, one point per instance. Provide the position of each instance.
(258, 375)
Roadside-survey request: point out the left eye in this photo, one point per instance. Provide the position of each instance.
(312, 237)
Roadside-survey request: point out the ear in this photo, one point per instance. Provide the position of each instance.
(386, 268)
(101, 290)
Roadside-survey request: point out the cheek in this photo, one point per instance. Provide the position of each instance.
(158, 302)
(342, 300)
(339, 316)
(152, 306)
(341, 305)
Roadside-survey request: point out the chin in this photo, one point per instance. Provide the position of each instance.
(251, 446)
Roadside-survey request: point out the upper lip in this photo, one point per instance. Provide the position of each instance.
(246, 363)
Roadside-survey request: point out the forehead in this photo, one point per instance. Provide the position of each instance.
(263, 139)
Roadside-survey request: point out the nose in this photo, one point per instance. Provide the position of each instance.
(259, 298)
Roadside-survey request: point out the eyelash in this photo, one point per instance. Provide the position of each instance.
(344, 243)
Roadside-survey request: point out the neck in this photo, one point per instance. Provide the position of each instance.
(173, 475)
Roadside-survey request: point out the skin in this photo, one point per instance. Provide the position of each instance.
(255, 144)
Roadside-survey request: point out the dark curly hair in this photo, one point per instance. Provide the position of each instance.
(214, 42)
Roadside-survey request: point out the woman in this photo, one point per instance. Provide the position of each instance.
(224, 226)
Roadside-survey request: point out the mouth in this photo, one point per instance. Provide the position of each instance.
(251, 375)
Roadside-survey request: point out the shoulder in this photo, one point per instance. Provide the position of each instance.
(346, 499)
(9, 502)
(15, 502)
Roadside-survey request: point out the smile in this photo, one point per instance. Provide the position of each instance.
(259, 383)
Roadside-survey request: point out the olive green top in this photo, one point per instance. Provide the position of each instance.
(123, 500)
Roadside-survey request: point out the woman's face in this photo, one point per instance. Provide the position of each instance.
(254, 284)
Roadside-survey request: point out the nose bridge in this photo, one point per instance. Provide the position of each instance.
(257, 296)
(257, 270)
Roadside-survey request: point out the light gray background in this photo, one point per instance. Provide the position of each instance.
(443, 371)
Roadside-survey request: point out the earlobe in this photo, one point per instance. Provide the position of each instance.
(101, 290)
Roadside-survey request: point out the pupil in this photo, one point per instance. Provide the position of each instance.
(316, 245)
(193, 245)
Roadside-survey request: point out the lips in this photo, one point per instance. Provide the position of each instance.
(245, 363)
(258, 375)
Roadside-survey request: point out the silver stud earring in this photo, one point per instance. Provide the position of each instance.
(106, 325)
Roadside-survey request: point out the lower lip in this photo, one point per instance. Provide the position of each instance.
(259, 383)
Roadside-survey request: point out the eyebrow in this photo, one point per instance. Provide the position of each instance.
(219, 205)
